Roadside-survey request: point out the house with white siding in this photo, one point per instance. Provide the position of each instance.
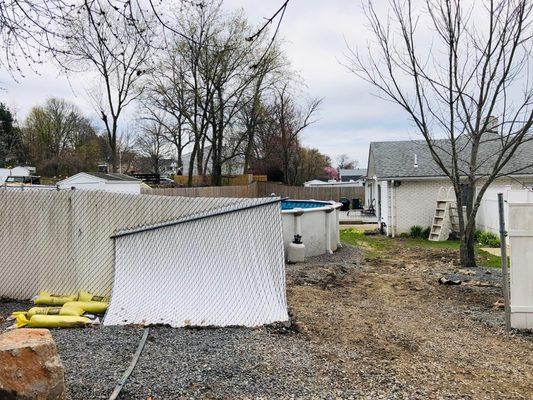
(403, 181)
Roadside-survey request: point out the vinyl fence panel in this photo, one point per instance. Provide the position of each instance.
(521, 244)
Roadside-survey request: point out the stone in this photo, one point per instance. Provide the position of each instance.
(30, 367)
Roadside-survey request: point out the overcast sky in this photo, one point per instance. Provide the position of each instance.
(315, 33)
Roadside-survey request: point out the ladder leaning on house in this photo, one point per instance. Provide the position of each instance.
(445, 219)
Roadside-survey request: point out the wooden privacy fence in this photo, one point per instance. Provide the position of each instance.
(208, 191)
(264, 189)
(227, 180)
(304, 193)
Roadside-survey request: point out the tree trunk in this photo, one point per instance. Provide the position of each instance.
(113, 148)
(467, 250)
(191, 164)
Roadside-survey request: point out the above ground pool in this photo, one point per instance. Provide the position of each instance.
(291, 204)
(317, 222)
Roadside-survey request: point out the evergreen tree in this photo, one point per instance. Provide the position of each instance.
(10, 139)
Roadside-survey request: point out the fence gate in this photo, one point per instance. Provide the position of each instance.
(521, 246)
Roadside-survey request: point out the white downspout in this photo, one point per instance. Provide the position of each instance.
(392, 222)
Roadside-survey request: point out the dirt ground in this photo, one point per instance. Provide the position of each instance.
(369, 322)
(399, 333)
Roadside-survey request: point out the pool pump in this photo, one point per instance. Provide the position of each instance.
(296, 250)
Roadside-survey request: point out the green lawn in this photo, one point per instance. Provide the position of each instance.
(377, 245)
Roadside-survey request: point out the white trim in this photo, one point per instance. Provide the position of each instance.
(434, 177)
(521, 309)
(80, 174)
(520, 233)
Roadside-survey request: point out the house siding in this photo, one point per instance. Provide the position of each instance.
(415, 202)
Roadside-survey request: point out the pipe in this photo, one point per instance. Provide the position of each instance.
(328, 230)
(393, 213)
(133, 363)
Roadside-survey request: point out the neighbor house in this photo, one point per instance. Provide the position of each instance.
(16, 171)
(233, 166)
(108, 182)
(357, 176)
(403, 181)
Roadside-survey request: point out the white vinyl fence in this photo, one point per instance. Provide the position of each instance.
(520, 231)
(487, 217)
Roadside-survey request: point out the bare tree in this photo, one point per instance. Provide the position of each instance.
(118, 55)
(165, 101)
(291, 121)
(469, 94)
(345, 162)
(151, 143)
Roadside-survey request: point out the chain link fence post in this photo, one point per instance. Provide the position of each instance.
(505, 273)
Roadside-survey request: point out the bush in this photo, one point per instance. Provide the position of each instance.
(416, 231)
(477, 234)
(426, 232)
(404, 235)
(488, 239)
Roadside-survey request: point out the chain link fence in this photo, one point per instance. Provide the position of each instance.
(228, 269)
(64, 241)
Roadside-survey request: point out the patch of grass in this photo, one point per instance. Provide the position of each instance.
(428, 244)
(374, 245)
(487, 260)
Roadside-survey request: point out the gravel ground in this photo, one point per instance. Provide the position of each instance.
(380, 328)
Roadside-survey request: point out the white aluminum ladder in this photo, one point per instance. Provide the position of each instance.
(445, 217)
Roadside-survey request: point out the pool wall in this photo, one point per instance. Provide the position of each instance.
(318, 226)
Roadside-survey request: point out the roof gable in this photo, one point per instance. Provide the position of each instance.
(413, 159)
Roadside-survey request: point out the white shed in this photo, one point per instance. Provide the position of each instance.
(108, 182)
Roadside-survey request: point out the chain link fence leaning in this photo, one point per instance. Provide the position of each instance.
(181, 261)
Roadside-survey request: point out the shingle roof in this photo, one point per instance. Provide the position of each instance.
(113, 176)
(397, 159)
(353, 172)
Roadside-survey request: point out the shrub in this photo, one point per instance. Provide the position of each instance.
(426, 232)
(416, 231)
(477, 234)
(404, 235)
(488, 239)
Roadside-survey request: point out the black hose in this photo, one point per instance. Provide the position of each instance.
(133, 363)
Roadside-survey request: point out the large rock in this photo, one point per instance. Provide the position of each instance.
(30, 367)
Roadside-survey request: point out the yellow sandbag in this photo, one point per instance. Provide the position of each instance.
(52, 321)
(93, 307)
(73, 311)
(47, 299)
(21, 320)
(15, 313)
(87, 296)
